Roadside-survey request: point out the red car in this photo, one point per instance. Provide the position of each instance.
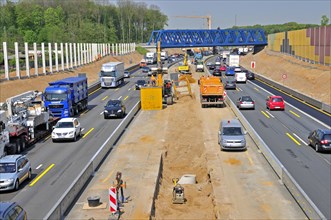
(275, 102)
(223, 68)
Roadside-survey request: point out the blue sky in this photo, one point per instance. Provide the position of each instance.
(244, 12)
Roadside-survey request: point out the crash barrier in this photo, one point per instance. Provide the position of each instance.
(58, 210)
(325, 107)
(61, 206)
(297, 192)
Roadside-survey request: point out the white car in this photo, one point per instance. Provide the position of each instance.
(66, 129)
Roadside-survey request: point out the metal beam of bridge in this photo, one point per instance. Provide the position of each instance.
(208, 38)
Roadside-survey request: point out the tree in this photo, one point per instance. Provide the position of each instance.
(324, 20)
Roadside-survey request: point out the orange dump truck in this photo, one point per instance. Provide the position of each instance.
(211, 91)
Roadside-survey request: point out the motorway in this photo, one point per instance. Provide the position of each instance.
(56, 165)
(286, 134)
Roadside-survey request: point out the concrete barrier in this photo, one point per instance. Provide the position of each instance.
(296, 191)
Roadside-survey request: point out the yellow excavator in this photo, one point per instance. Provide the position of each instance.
(185, 68)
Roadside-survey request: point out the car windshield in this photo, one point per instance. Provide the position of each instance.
(55, 96)
(7, 168)
(277, 100)
(232, 131)
(113, 103)
(246, 99)
(64, 124)
(141, 82)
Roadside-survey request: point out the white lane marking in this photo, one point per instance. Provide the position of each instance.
(83, 129)
(300, 139)
(311, 117)
(40, 165)
(129, 89)
(270, 114)
(101, 113)
(240, 89)
(119, 98)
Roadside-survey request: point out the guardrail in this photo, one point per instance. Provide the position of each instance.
(293, 187)
(59, 209)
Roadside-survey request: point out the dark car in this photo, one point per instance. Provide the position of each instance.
(217, 72)
(250, 75)
(211, 66)
(230, 84)
(11, 210)
(140, 83)
(146, 69)
(320, 139)
(114, 108)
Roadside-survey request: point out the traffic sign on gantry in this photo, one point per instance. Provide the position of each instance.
(208, 38)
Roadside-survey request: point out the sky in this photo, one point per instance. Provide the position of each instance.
(225, 14)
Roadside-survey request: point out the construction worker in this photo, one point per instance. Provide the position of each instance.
(153, 80)
(119, 185)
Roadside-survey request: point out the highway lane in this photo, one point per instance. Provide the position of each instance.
(66, 160)
(286, 132)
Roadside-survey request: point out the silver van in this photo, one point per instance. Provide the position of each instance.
(231, 135)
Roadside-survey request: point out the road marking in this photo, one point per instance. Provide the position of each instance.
(83, 113)
(249, 158)
(300, 139)
(295, 113)
(101, 113)
(47, 137)
(237, 89)
(94, 91)
(105, 98)
(293, 139)
(256, 89)
(126, 98)
(117, 89)
(328, 114)
(88, 132)
(119, 98)
(265, 114)
(240, 89)
(40, 165)
(129, 89)
(83, 129)
(42, 174)
(270, 114)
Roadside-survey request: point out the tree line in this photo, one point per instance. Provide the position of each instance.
(83, 21)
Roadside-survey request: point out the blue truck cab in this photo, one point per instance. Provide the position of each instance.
(66, 97)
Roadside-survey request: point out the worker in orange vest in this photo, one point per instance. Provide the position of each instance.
(153, 80)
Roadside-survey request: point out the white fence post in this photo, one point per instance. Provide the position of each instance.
(112, 50)
(116, 46)
(67, 55)
(62, 56)
(35, 59)
(75, 56)
(5, 57)
(18, 75)
(90, 54)
(43, 57)
(56, 58)
(70, 53)
(50, 58)
(27, 66)
(78, 54)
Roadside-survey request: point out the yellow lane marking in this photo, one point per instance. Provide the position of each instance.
(293, 139)
(256, 89)
(94, 91)
(265, 114)
(83, 113)
(42, 174)
(328, 114)
(104, 98)
(117, 89)
(89, 131)
(249, 158)
(109, 175)
(47, 137)
(126, 98)
(237, 89)
(295, 113)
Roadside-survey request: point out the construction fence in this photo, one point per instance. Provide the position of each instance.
(46, 58)
(311, 45)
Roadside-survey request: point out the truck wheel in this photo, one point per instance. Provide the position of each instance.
(23, 143)
(18, 146)
(76, 110)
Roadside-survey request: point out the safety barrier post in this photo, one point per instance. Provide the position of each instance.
(5, 57)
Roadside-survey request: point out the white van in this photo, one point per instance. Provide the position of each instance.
(240, 77)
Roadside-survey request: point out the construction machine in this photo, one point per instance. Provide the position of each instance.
(177, 193)
(185, 68)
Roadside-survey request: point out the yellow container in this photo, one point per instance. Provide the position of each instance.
(151, 98)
